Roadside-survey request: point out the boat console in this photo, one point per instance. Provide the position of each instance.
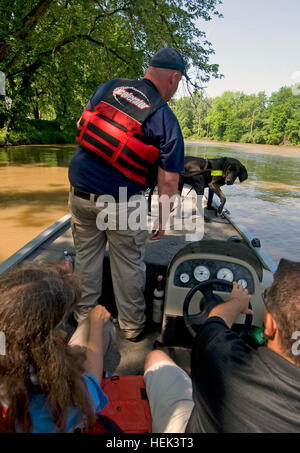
(200, 276)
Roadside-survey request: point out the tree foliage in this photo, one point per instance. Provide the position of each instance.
(55, 52)
(238, 117)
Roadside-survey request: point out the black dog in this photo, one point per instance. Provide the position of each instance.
(212, 173)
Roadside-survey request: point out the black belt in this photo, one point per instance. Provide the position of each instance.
(92, 196)
(85, 195)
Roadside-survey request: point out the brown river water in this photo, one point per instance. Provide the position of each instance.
(34, 192)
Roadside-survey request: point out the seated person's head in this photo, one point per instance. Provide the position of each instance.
(282, 317)
(34, 299)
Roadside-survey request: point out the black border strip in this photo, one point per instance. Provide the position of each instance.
(136, 158)
(109, 120)
(97, 131)
(132, 167)
(93, 141)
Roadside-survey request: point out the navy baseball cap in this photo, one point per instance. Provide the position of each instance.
(170, 58)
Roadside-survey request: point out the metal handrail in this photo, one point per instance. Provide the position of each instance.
(264, 257)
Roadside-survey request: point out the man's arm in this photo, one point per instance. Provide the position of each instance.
(238, 303)
(167, 183)
(216, 348)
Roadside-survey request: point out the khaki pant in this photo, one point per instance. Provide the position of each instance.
(126, 250)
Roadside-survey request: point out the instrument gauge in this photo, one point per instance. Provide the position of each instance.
(225, 274)
(201, 273)
(184, 278)
(242, 282)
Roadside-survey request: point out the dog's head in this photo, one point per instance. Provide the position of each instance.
(233, 169)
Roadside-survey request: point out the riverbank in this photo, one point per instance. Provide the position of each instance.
(275, 150)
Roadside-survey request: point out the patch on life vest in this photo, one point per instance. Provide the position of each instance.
(131, 98)
(216, 173)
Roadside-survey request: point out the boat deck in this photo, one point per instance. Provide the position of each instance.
(127, 357)
(218, 228)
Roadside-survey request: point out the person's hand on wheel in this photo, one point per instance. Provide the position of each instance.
(240, 295)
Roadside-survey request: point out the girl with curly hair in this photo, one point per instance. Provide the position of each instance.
(47, 386)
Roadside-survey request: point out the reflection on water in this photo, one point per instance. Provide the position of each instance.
(34, 191)
(49, 156)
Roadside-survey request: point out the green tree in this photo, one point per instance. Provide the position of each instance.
(282, 117)
(292, 129)
(55, 52)
(235, 116)
(238, 117)
(184, 111)
(202, 105)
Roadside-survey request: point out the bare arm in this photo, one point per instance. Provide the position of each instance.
(167, 183)
(238, 303)
(98, 316)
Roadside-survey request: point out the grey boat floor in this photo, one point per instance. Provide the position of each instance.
(126, 357)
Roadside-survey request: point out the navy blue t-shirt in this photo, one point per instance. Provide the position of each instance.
(91, 173)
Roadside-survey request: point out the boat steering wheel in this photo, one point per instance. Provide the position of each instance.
(207, 303)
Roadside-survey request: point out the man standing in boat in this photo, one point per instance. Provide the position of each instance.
(127, 134)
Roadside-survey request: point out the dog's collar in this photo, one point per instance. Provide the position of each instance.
(216, 173)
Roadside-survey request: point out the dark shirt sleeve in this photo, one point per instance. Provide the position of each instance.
(163, 127)
(216, 349)
(217, 340)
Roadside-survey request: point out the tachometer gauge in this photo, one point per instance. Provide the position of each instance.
(225, 274)
(242, 282)
(184, 278)
(201, 273)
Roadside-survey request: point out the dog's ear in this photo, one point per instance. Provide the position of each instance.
(224, 162)
(243, 174)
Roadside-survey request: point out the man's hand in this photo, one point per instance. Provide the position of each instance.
(157, 230)
(240, 296)
(238, 303)
(167, 183)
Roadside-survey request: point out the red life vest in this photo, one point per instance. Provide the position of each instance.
(112, 128)
(3, 411)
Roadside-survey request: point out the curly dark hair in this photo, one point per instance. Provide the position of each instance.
(34, 299)
(283, 302)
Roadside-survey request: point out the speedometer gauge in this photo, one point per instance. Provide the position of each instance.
(242, 282)
(201, 273)
(225, 274)
(184, 277)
